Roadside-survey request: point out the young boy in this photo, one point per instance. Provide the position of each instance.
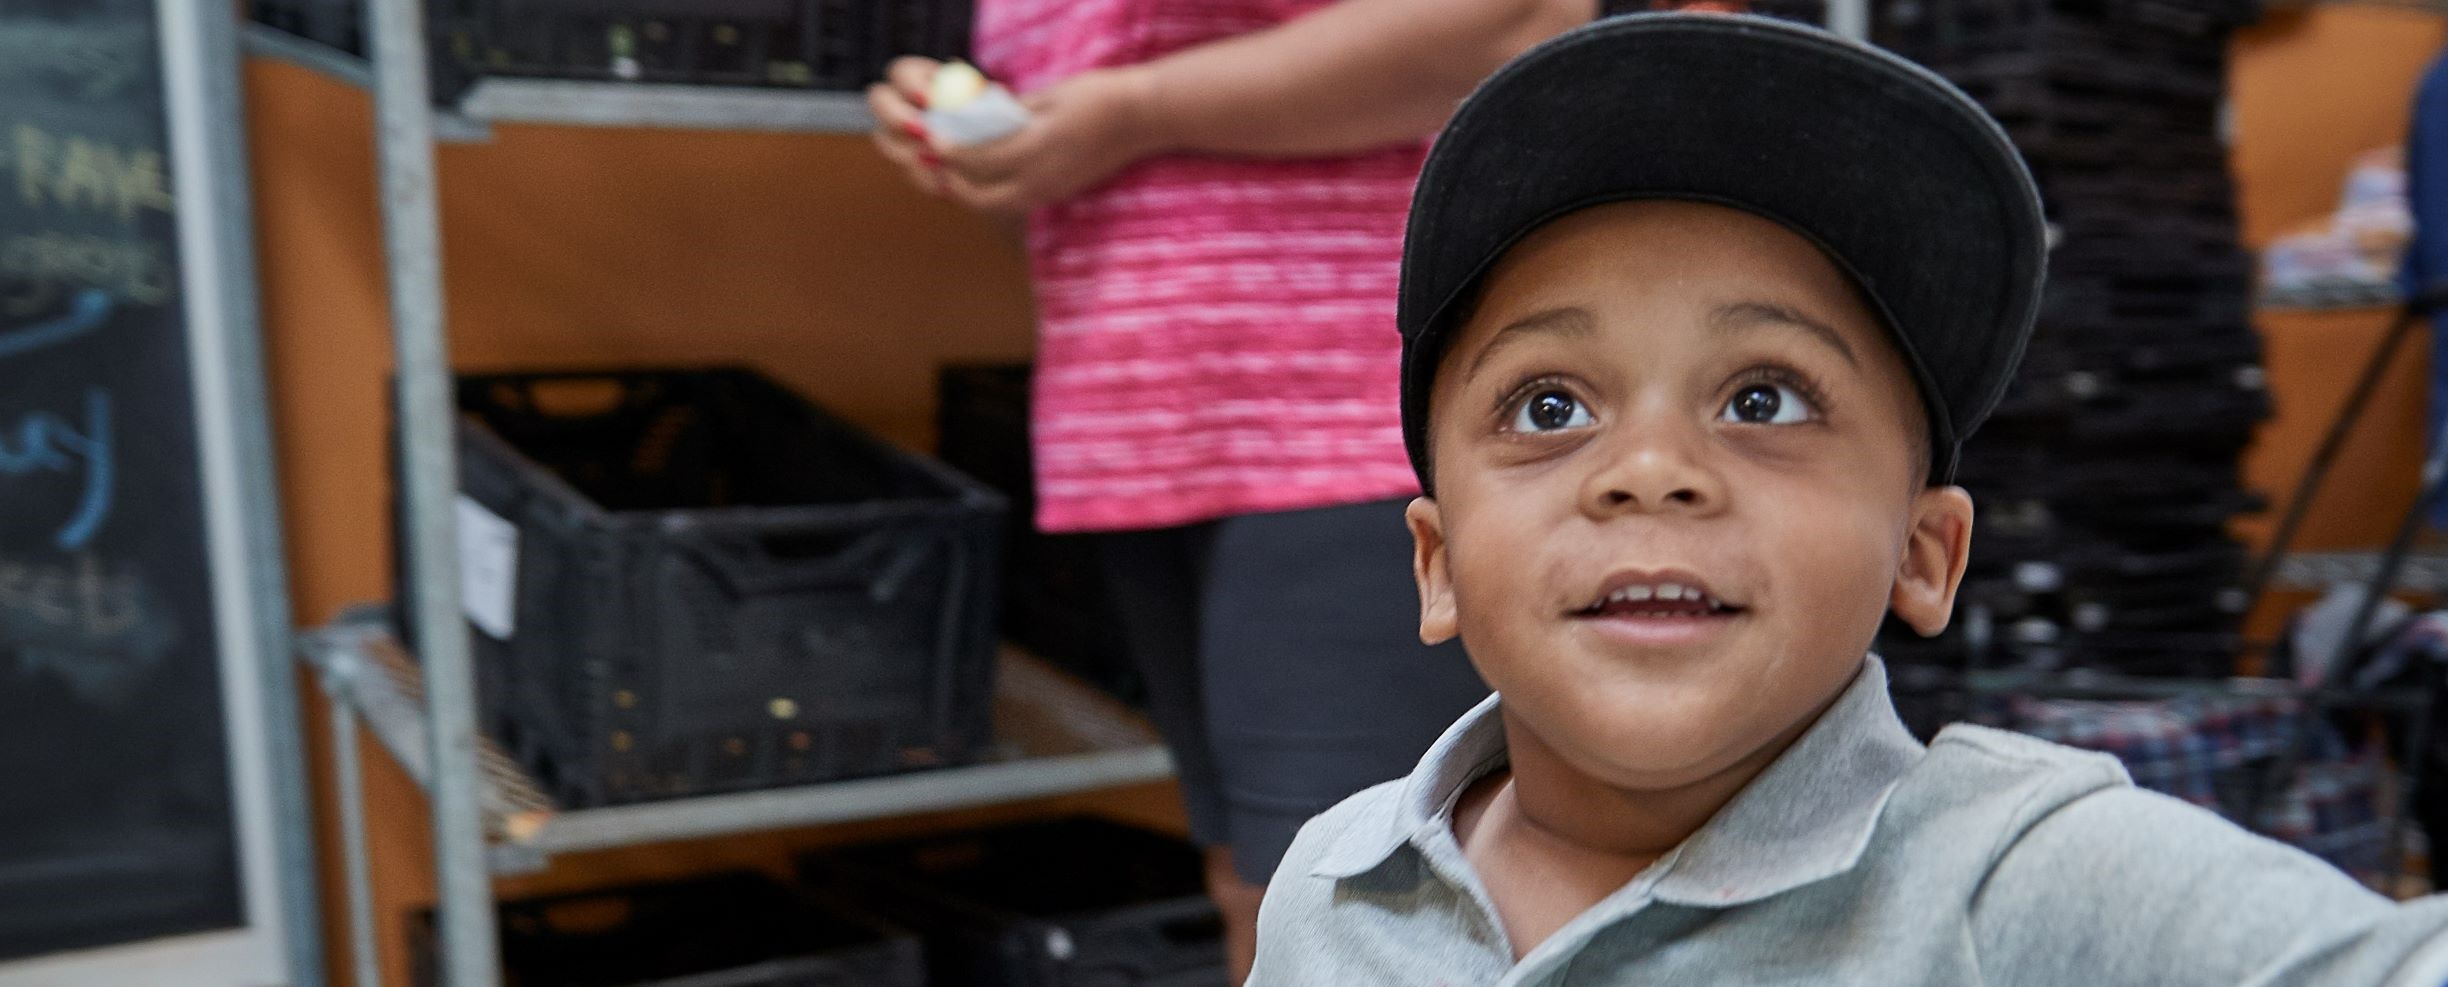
(1697, 310)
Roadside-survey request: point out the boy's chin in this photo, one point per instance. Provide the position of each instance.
(1630, 743)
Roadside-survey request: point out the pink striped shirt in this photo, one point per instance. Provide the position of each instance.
(1216, 336)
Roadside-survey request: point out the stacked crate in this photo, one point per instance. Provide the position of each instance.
(689, 581)
(2107, 478)
(1077, 902)
(836, 45)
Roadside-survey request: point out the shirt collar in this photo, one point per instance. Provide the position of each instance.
(1808, 817)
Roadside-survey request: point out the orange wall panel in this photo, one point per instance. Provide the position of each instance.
(2310, 89)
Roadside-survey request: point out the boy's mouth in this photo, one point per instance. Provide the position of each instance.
(1656, 595)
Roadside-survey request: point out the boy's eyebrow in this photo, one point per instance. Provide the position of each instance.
(1568, 320)
(1742, 315)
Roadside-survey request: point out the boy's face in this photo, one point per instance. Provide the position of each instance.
(1679, 480)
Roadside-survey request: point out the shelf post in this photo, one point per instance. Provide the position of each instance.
(349, 774)
(429, 474)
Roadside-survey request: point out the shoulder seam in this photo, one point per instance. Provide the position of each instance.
(2016, 833)
(1979, 738)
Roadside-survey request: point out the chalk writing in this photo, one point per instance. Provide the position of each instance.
(84, 315)
(49, 264)
(81, 598)
(95, 63)
(91, 623)
(44, 443)
(73, 172)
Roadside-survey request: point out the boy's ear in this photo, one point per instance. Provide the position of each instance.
(1938, 546)
(1429, 568)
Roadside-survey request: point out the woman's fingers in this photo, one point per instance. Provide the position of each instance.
(993, 161)
(901, 136)
(985, 177)
(893, 114)
(911, 75)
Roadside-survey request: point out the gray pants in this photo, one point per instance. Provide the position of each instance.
(1283, 665)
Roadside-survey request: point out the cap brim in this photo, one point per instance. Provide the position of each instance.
(1899, 177)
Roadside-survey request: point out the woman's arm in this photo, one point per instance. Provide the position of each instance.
(1350, 77)
(1353, 76)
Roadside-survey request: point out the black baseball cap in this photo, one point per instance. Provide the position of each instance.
(1898, 177)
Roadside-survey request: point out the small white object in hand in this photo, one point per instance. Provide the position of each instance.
(964, 108)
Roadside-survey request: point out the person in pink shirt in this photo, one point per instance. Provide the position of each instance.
(1214, 194)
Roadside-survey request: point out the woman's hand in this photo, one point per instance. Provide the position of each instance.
(1080, 132)
(898, 104)
(1353, 76)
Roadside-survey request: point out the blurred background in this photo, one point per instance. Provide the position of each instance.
(779, 673)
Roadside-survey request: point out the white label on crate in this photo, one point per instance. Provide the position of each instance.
(488, 569)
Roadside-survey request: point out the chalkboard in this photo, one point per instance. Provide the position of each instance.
(122, 816)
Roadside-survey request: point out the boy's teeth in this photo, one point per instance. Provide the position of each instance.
(1668, 592)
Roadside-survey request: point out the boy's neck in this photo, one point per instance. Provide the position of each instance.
(1550, 841)
(1553, 801)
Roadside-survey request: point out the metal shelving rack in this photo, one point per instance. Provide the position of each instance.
(2422, 572)
(2330, 298)
(1054, 735)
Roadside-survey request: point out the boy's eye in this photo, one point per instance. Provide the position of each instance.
(1767, 404)
(1550, 411)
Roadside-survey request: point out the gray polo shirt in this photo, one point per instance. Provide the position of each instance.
(1859, 857)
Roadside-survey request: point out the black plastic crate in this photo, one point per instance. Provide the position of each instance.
(337, 23)
(1925, 679)
(2028, 507)
(2141, 313)
(2099, 240)
(1062, 903)
(2231, 353)
(2144, 292)
(934, 28)
(724, 930)
(720, 587)
(1056, 602)
(2068, 157)
(2051, 144)
(2178, 511)
(2199, 654)
(2008, 598)
(2206, 518)
(2047, 393)
(2170, 88)
(2168, 349)
(2195, 193)
(2176, 423)
(837, 45)
(1936, 31)
(2034, 407)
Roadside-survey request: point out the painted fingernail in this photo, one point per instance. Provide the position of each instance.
(930, 159)
(918, 100)
(916, 130)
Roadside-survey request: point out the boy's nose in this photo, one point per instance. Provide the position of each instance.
(1653, 470)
